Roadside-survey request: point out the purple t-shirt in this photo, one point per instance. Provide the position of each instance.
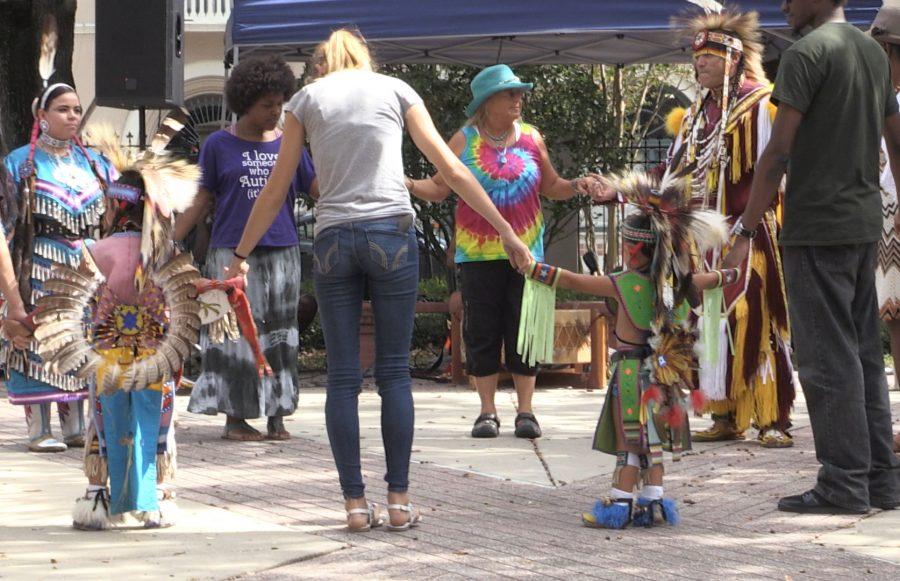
(235, 171)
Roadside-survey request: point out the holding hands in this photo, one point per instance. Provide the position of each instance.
(597, 187)
(238, 267)
(15, 329)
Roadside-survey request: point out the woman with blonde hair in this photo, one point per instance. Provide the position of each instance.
(510, 160)
(354, 119)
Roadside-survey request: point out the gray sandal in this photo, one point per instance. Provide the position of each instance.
(412, 519)
(373, 517)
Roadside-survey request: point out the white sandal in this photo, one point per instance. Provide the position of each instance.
(373, 517)
(411, 521)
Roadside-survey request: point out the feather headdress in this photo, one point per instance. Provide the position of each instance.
(743, 26)
(170, 185)
(676, 229)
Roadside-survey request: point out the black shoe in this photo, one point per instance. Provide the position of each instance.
(486, 426)
(527, 426)
(885, 504)
(810, 502)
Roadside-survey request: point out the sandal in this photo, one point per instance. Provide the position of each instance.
(242, 432)
(486, 426)
(275, 430)
(527, 426)
(280, 435)
(775, 438)
(411, 521)
(373, 517)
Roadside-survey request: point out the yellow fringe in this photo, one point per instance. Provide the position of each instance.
(765, 399)
(756, 400)
(735, 161)
(719, 407)
(749, 157)
(712, 178)
(95, 468)
(165, 467)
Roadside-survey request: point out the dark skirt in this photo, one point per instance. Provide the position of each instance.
(229, 382)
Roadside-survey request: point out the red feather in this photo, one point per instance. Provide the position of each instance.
(698, 400)
(652, 393)
(675, 416)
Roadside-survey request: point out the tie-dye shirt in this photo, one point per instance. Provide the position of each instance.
(513, 184)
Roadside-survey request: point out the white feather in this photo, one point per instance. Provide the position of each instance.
(709, 229)
(708, 6)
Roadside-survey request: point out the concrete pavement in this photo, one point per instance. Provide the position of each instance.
(493, 508)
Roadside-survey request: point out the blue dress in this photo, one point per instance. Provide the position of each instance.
(68, 205)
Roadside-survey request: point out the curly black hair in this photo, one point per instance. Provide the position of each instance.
(254, 78)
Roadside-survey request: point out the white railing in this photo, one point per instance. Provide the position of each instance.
(206, 13)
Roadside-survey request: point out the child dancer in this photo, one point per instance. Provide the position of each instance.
(127, 319)
(644, 412)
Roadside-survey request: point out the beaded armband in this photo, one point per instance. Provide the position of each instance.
(544, 273)
(727, 276)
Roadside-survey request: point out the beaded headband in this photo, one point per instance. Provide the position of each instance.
(712, 42)
(633, 234)
(124, 192)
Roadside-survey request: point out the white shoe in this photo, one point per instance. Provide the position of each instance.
(91, 512)
(45, 444)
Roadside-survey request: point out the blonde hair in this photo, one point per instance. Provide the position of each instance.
(479, 118)
(344, 49)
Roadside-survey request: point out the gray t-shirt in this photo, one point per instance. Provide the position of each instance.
(354, 120)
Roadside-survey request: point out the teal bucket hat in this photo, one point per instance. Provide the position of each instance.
(493, 80)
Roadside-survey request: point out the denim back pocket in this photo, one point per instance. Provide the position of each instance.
(389, 247)
(326, 250)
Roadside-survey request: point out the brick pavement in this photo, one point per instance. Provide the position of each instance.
(480, 527)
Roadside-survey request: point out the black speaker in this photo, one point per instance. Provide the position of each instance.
(139, 53)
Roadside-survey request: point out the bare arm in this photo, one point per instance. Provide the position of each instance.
(461, 180)
(770, 169)
(586, 283)
(12, 326)
(435, 189)
(193, 215)
(715, 278)
(314, 189)
(273, 195)
(552, 185)
(772, 165)
(9, 286)
(892, 140)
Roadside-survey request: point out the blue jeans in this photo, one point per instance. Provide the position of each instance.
(381, 254)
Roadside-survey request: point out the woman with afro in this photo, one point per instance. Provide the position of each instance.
(236, 162)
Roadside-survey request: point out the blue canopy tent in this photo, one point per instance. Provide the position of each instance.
(475, 32)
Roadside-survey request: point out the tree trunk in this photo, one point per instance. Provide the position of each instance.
(28, 28)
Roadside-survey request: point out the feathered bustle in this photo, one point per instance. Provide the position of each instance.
(170, 184)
